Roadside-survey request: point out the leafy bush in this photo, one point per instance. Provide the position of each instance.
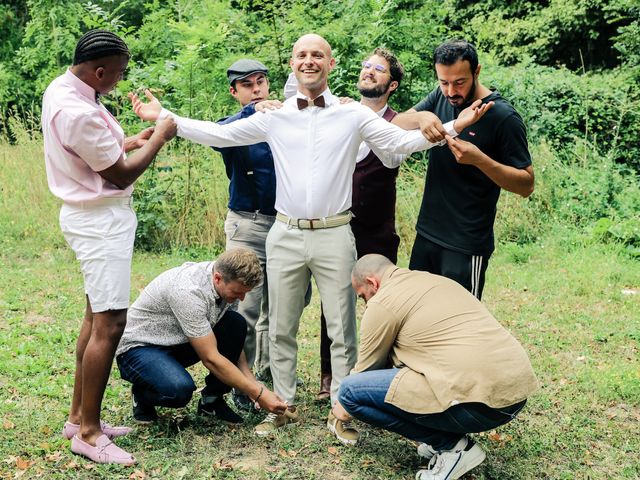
(565, 108)
(182, 202)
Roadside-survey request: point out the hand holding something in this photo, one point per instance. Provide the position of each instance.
(465, 152)
(345, 100)
(138, 140)
(471, 115)
(271, 402)
(166, 129)
(431, 127)
(146, 111)
(265, 105)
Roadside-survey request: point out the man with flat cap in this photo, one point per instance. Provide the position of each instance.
(252, 193)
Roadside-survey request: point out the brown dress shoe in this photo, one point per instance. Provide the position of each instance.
(325, 388)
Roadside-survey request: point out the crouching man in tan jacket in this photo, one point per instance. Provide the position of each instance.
(433, 365)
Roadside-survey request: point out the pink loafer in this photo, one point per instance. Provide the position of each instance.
(105, 451)
(70, 429)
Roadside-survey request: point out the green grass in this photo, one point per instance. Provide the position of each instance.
(562, 297)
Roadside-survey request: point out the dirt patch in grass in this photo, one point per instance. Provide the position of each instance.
(35, 319)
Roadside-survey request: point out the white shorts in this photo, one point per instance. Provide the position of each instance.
(101, 233)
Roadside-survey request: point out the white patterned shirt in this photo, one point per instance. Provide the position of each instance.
(179, 303)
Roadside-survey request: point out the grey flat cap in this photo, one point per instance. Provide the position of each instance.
(243, 68)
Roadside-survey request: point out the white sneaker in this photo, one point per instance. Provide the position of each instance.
(452, 464)
(426, 451)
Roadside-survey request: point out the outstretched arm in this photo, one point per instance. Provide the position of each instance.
(246, 131)
(431, 126)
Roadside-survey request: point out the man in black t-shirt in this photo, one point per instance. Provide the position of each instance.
(455, 225)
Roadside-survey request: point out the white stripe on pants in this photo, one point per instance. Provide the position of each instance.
(476, 270)
(294, 255)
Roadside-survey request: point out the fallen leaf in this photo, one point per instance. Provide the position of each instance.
(71, 465)
(222, 465)
(8, 424)
(23, 463)
(494, 436)
(138, 475)
(53, 457)
(332, 450)
(89, 466)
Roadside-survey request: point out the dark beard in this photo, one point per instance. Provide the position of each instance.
(375, 91)
(469, 100)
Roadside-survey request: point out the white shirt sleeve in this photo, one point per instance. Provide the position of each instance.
(389, 142)
(245, 131)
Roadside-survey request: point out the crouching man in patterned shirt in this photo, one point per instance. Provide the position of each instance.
(186, 315)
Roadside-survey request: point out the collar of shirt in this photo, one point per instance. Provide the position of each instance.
(216, 296)
(84, 89)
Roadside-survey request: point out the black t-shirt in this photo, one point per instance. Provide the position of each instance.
(459, 204)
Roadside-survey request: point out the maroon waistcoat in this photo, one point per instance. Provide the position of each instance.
(374, 189)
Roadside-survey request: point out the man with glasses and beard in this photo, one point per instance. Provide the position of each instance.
(455, 225)
(373, 201)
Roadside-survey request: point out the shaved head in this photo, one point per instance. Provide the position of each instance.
(314, 39)
(311, 62)
(371, 265)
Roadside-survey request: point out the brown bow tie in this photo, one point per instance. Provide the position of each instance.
(304, 103)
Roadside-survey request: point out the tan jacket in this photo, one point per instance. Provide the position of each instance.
(449, 347)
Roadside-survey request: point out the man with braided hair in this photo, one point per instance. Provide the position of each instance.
(88, 169)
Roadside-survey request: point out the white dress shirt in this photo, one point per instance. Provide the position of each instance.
(390, 160)
(314, 149)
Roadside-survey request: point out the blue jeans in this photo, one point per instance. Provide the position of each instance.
(159, 375)
(362, 395)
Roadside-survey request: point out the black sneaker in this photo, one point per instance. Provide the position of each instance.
(242, 402)
(220, 410)
(143, 414)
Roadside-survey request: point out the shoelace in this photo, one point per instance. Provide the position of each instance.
(436, 463)
(347, 425)
(270, 418)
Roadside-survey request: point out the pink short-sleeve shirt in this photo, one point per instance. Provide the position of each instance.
(81, 138)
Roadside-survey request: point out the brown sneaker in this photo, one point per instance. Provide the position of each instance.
(343, 431)
(273, 422)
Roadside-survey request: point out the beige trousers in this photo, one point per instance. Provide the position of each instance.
(293, 255)
(249, 230)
